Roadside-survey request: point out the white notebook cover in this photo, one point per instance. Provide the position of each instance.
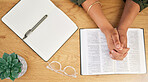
(50, 35)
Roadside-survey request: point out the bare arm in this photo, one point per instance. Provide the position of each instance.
(97, 15)
(111, 34)
(131, 10)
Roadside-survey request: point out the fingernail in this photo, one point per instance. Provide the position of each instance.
(128, 49)
(112, 51)
(126, 54)
(118, 46)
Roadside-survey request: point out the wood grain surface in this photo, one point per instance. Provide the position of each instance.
(69, 53)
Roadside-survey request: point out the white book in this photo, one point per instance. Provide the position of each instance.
(95, 59)
(50, 35)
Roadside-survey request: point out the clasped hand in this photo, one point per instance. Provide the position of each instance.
(117, 43)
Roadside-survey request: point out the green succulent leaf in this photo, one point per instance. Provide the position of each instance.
(12, 65)
(2, 76)
(15, 61)
(19, 64)
(8, 70)
(2, 61)
(13, 55)
(5, 55)
(4, 67)
(9, 59)
(1, 70)
(7, 65)
(1, 64)
(14, 74)
(16, 56)
(20, 70)
(15, 69)
(12, 78)
(6, 74)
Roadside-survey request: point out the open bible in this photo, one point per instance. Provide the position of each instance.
(95, 59)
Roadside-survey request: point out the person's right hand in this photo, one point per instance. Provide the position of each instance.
(117, 52)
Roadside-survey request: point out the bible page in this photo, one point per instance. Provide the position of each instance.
(94, 53)
(135, 62)
(95, 57)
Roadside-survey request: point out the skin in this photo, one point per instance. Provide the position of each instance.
(116, 38)
(130, 12)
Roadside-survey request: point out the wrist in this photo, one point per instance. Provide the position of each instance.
(107, 30)
(123, 30)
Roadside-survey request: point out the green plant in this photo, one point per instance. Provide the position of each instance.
(10, 66)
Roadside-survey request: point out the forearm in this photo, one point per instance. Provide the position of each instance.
(97, 15)
(131, 10)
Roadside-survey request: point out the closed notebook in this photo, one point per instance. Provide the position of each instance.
(50, 35)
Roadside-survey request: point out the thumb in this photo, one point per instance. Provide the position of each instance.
(116, 41)
(123, 40)
(125, 50)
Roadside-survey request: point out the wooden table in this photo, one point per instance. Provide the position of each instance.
(69, 53)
